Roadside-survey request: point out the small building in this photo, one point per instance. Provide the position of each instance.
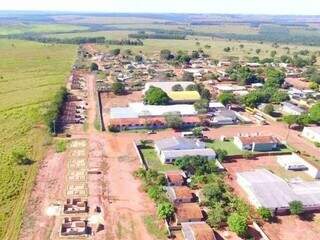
(188, 212)
(312, 133)
(180, 194)
(175, 178)
(291, 109)
(169, 156)
(197, 231)
(257, 143)
(224, 117)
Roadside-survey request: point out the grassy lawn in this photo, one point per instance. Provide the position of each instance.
(30, 74)
(153, 160)
(228, 145)
(155, 227)
(232, 149)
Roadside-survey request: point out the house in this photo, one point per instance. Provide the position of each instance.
(175, 178)
(291, 109)
(180, 194)
(216, 106)
(188, 212)
(294, 162)
(170, 149)
(312, 133)
(197, 231)
(224, 117)
(256, 143)
(264, 189)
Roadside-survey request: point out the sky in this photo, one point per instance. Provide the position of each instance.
(294, 7)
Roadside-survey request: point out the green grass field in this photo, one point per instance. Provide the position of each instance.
(30, 74)
(152, 47)
(153, 161)
(110, 35)
(38, 28)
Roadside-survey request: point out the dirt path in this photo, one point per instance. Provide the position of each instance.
(49, 188)
(92, 105)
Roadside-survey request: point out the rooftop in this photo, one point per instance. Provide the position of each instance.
(178, 143)
(180, 192)
(184, 95)
(205, 152)
(186, 211)
(258, 139)
(197, 231)
(166, 86)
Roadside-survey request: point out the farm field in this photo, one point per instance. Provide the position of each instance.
(30, 75)
(110, 35)
(38, 28)
(154, 46)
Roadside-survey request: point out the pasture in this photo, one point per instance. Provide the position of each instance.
(30, 75)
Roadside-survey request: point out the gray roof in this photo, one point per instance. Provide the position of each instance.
(178, 143)
(273, 192)
(226, 114)
(293, 107)
(205, 152)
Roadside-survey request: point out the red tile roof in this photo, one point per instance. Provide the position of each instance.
(202, 232)
(188, 211)
(258, 139)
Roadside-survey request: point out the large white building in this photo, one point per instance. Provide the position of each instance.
(312, 133)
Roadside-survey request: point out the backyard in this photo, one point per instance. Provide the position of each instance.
(153, 161)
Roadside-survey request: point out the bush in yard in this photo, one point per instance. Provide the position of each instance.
(118, 88)
(155, 192)
(177, 88)
(61, 146)
(191, 87)
(296, 207)
(165, 210)
(238, 224)
(156, 96)
(264, 213)
(94, 67)
(247, 155)
(226, 98)
(217, 215)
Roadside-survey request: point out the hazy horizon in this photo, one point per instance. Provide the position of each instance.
(246, 7)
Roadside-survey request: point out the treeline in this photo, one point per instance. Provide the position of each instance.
(129, 42)
(158, 36)
(43, 39)
(55, 109)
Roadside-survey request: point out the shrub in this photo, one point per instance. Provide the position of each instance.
(118, 88)
(156, 96)
(20, 157)
(264, 213)
(221, 154)
(296, 207)
(177, 88)
(61, 146)
(238, 224)
(165, 210)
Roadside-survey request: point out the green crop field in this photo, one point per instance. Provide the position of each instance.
(30, 75)
(38, 28)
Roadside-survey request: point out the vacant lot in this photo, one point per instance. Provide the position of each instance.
(30, 74)
(227, 145)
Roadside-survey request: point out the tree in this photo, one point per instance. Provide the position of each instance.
(187, 76)
(264, 213)
(195, 54)
(273, 53)
(156, 96)
(118, 88)
(290, 120)
(226, 98)
(238, 224)
(174, 120)
(177, 88)
(138, 58)
(165, 210)
(221, 154)
(314, 86)
(227, 49)
(201, 106)
(191, 87)
(268, 109)
(275, 78)
(154, 192)
(296, 207)
(258, 50)
(165, 54)
(115, 51)
(314, 113)
(197, 132)
(196, 165)
(94, 67)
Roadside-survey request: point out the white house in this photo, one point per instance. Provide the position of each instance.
(312, 133)
(170, 149)
(256, 143)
